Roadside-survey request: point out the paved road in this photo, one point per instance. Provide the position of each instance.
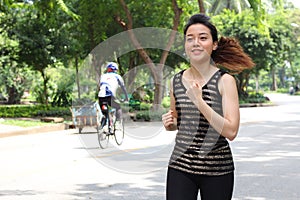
(267, 151)
(65, 165)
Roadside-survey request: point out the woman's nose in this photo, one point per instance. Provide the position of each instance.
(196, 42)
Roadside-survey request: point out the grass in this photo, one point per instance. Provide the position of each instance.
(23, 123)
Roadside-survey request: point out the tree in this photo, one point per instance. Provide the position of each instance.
(42, 42)
(156, 70)
(95, 25)
(244, 28)
(283, 44)
(14, 75)
(258, 7)
(293, 60)
(268, 52)
(217, 6)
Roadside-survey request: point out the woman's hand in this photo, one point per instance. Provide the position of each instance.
(228, 123)
(168, 120)
(195, 93)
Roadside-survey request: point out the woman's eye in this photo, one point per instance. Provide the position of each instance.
(203, 38)
(189, 39)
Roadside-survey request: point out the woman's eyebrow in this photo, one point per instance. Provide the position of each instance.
(203, 33)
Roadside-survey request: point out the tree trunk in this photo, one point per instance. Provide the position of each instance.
(13, 96)
(257, 82)
(132, 71)
(158, 90)
(201, 6)
(156, 71)
(242, 82)
(228, 5)
(274, 82)
(281, 77)
(77, 78)
(215, 6)
(45, 87)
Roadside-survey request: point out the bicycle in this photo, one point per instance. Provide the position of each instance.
(110, 127)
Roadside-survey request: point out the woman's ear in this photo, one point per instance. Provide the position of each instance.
(215, 46)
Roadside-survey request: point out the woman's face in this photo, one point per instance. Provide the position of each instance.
(199, 43)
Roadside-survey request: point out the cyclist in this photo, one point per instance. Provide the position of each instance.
(109, 83)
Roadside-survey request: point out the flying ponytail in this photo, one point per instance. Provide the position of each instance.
(231, 55)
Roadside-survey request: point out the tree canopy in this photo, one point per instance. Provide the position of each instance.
(40, 35)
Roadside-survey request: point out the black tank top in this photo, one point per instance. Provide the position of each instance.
(199, 148)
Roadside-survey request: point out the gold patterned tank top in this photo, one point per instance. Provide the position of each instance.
(199, 148)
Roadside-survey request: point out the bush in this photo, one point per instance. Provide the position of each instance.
(143, 115)
(166, 102)
(150, 115)
(283, 90)
(134, 104)
(254, 97)
(33, 111)
(145, 106)
(54, 112)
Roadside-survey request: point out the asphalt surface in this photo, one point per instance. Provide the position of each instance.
(66, 165)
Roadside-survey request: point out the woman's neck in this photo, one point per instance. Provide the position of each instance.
(202, 70)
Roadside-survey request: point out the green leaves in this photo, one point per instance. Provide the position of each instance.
(269, 51)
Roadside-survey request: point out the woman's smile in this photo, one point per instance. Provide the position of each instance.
(197, 51)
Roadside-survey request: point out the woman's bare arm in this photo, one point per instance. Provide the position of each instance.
(228, 124)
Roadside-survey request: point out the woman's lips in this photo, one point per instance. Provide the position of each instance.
(197, 51)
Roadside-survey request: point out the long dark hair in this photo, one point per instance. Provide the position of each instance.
(229, 52)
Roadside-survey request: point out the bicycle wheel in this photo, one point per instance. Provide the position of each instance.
(119, 131)
(103, 138)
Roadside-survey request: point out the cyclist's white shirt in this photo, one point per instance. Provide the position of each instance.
(109, 83)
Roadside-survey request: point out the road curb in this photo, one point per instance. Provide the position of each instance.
(37, 129)
(249, 105)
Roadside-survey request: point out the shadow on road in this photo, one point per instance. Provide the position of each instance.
(267, 155)
(153, 189)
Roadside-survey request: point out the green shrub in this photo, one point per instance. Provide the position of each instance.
(254, 97)
(156, 115)
(150, 115)
(166, 102)
(14, 111)
(143, 115)
(147, 98)
(283, 90)
(134, 104)
(54, 112)
(145, 106)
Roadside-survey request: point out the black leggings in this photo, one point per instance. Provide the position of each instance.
(185, 186)
(110, 100)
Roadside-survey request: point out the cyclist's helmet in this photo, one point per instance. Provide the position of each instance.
(112, 67)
